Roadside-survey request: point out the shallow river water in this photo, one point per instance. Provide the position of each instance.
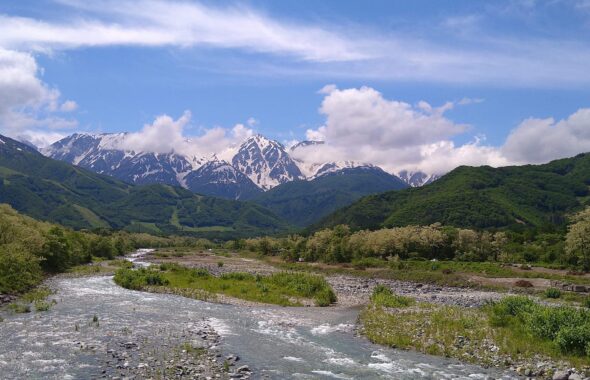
(277, 343)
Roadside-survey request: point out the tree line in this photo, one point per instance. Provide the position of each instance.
(340, 244)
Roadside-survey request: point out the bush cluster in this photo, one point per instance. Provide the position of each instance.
(139, 279)
(568, 328)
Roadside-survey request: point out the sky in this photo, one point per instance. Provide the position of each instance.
(417, 85)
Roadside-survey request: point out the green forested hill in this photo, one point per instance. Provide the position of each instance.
(52, 190)
(306, 202)
(479, 197)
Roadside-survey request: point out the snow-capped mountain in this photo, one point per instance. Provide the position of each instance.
(239, 172)
(266, 162)
(220, 178)
(417, 178)
(102, 154)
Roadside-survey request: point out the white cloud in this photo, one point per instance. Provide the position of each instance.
(27, 104)
(39, 138)
(361, 125)
(68, 106)
(166, 135)
(177, 23)
(364, 117)
(541, 140)
(316, 134)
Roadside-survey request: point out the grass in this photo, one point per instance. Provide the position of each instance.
(513, 330)
(34, 298)
(552, 293)
(285, 288)
(384, 297)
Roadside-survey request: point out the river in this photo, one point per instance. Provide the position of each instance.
(276, 342)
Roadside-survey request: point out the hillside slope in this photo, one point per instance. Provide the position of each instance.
(479, 197)
(305, 202)
(59, 192)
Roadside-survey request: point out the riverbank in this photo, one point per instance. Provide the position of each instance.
(516, 332)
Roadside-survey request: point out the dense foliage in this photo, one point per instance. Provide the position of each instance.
(29, 248)
(367, 248)
(568, 328)
(55, 191)
(305, 202)
(517, 198)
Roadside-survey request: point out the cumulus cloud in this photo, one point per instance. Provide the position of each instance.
(541, 140)
(166, 135)
(27, 104)
(361, 125)
(363, 116)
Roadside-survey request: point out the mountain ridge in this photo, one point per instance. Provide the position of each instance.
(257, 160)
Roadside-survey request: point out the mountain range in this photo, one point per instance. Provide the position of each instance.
(245, 172)
(56, 191)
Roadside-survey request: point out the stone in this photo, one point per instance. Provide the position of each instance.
(244, 368)
(575, 376)
(561, 375)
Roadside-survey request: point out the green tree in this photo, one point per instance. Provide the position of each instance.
(577, 242)
(56, 251)
(19, 269)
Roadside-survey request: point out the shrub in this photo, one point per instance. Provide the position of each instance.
(220, 264)
(574, 339)
(505, 310)
(546, 322)
(137, 279)
(383, 296)
(199, 272)
(42, 306)
(552, 293)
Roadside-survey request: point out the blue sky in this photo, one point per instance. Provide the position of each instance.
(124, 63)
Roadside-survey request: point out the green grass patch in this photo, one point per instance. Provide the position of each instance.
(383, 296)
(552, 293)
(38, 294)
(285, 288)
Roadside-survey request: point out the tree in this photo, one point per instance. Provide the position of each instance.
(19, 269)
(56, 251)
(577, 242)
